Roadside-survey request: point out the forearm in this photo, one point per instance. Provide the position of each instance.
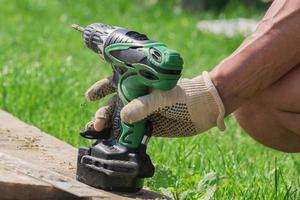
(269, 53)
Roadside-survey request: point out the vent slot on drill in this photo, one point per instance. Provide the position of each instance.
(155, 55)
(137, 36)
(148, 75)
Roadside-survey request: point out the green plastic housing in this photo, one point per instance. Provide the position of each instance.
(160, 68)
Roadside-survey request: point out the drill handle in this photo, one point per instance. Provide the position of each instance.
(131, 135)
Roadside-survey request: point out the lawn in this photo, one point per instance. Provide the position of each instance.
(45, 70)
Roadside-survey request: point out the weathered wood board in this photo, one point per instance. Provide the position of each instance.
(43, 152)
(18, 186)
(67, 186)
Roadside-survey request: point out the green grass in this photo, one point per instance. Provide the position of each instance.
(45, 69)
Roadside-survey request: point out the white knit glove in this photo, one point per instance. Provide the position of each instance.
(191, 107)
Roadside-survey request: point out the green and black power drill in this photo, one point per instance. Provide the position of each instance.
(118, 160)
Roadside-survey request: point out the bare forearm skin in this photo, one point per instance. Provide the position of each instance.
(263, 58)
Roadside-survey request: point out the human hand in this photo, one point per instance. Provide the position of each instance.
(191, 107)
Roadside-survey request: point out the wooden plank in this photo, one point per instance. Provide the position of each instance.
(18, 186)
(54, 179)
(29, 192)
(28, 143)
(11, 177)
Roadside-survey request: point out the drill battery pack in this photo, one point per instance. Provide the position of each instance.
(113, 167)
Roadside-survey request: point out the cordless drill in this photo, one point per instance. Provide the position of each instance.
(118, 160)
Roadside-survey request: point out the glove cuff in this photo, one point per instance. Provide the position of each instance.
(202, 96)
(214, 92)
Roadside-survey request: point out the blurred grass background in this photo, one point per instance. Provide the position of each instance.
(45, 70)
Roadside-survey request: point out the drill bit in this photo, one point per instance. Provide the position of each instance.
(78, 28)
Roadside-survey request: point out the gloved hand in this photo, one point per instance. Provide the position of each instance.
(102, 116)
(191, 107)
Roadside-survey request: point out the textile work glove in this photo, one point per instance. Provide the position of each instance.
(191, 107)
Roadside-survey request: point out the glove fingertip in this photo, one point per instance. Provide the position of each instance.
(87, 96)
(138, 109)
(99, 124)
(132, 112)
(126, 116)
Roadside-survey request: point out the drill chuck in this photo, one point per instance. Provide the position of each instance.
(95, 35)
